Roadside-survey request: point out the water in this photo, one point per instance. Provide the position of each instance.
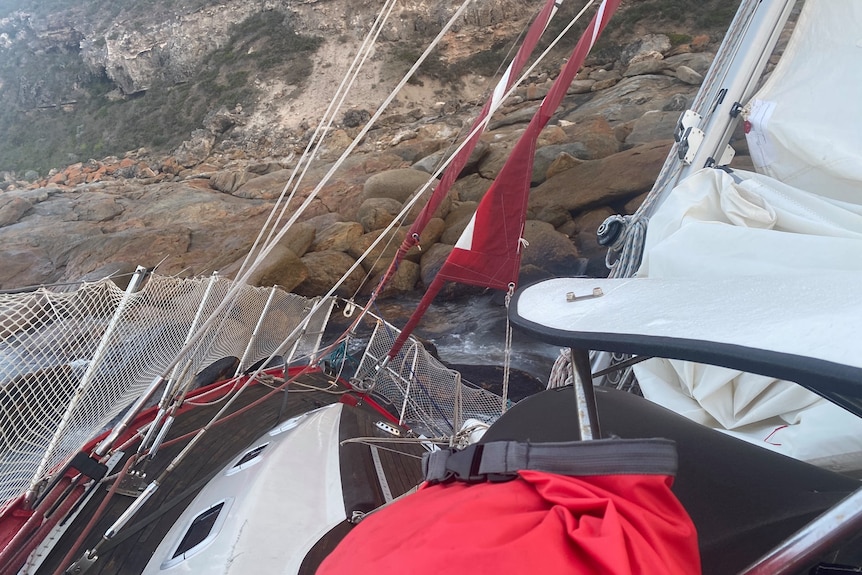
(472, 331)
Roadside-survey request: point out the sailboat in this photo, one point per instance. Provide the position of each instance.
(252, 443)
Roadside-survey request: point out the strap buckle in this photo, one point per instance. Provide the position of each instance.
(464, 465)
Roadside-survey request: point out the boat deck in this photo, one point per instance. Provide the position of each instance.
(133, 546)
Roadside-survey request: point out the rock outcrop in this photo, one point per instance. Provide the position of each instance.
(200, 209)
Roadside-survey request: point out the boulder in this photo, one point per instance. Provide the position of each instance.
(12, 208)
(431, 162)
(324, 270)
(548, 249)
(592, 183)
(266, 187)
(457, 220)
(402, 281)
(430, 235)
(595, 134)
(653, 126)
(377, 213)
(586, 225)
(229, 181)
(471, 188)
(546, 156)
(383, 253)
(299, 238)
(281, 267)
(689, 76)
(397, 184)
(646, 44)
(629, 99)
(339, 237)
(442, 210)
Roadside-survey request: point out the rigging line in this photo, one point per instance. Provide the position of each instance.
(498, 97)
(295, 216)
(495, 104)
(323, 130)
(317, 137)
(364, 441)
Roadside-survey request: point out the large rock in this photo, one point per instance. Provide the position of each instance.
(396, 184)
(299, 238)
(548, 249)
(471, 188)
(630, 99)
(618, 177)
(457, 221)
(547, 155)
(340, 236)
(327, 268)
(281, 267)
(402, 281)
(653, 126)
(377, 213)
(266, 187)
(229, 181)
(645, 45)
(595, 134)
(432, 260)
(431, 162)
(382, 254)
(12, 207)
(586, 226)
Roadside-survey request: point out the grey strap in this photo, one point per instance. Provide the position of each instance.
(501, 460)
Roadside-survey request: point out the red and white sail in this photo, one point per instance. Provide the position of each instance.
(488, 253)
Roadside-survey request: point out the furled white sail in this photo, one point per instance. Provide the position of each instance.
(804, 127)
(804, 216)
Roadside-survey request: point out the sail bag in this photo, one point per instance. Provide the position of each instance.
(539, 522)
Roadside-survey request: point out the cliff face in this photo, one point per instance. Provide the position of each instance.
(83, 80)
(104, 78)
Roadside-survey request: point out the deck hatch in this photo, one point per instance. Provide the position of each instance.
(199, 530)
(202, 531)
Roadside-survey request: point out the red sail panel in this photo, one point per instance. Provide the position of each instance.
(453, 170)
(488, 253)
(537, 523)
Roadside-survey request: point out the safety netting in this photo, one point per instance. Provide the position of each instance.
(428, 397)
(71, 362)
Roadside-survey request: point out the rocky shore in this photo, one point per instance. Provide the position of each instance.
(199, 209)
